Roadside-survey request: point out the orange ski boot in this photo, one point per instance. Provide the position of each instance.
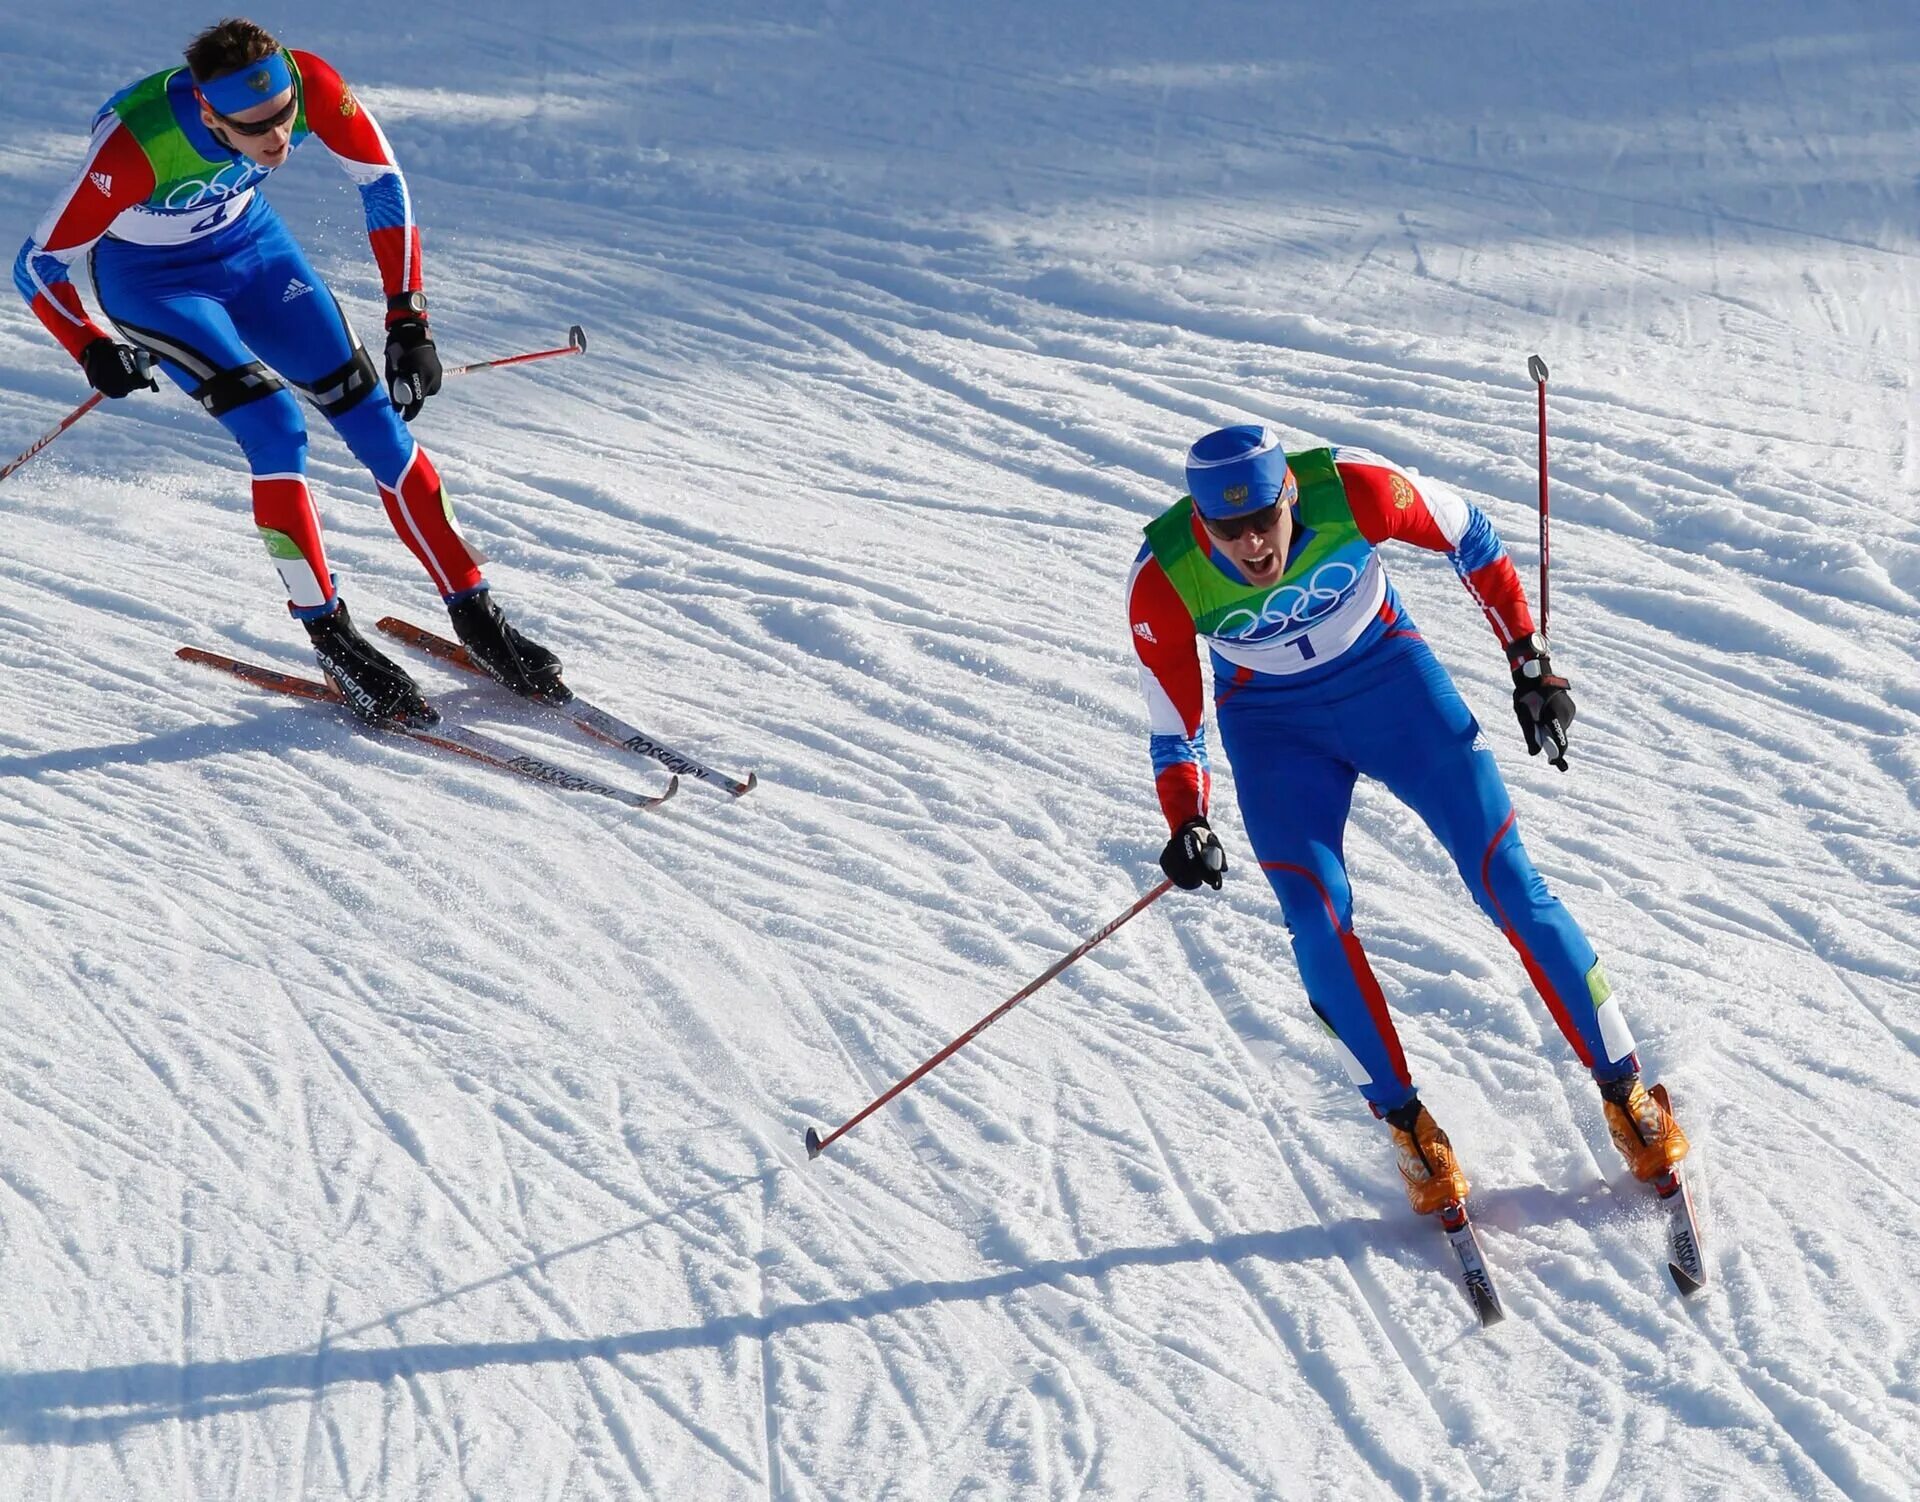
(1643, 1127)
(1427, 1163)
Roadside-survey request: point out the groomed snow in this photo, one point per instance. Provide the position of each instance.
(373, 1126)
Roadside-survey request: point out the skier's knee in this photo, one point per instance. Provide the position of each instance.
(239, 386)
(271, 433)
(377, 437)
(338, 392)
(1311, 905)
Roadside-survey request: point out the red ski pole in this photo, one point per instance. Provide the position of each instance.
(576, 345)
(54, 432)
(1537, 368)
(816, 1144)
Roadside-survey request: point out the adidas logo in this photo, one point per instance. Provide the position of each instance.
(101, 180)
(1145, 632)
(295, 288)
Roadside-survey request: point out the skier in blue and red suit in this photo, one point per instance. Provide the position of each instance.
(195, 270)
(1320, 677)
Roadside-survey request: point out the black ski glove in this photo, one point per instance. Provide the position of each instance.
(115, 369)
(1541, 700)
(1194, 855)
(413, 366)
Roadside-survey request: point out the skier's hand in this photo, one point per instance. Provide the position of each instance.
(413, 365)
(1541, 700)
(1194, 855)
(115, 369)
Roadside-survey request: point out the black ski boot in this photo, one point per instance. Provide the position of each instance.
(375, 687)
(524, 666)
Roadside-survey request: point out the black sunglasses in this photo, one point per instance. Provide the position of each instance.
(260, 127)
(1230, 528)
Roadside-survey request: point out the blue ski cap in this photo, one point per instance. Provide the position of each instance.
(1233, 471)
(256, 83)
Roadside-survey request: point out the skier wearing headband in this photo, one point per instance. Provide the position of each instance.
(1320, 677)
(195, 271)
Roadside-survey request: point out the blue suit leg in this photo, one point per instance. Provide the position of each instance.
(1432, 755)
(1294, 800)
(286, 312)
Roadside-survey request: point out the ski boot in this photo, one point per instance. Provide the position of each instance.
(1643, 1128)
(491, 640)
(375, 688)
(1427, 1163)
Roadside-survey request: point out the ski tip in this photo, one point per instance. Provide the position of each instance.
(1490, 1314)
(672, 787)
(812, 1140)
(1687, 1285)
(741, 789)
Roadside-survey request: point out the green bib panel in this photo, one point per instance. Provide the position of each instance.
(183, 178)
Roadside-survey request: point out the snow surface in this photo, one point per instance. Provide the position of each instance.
(376, 1127)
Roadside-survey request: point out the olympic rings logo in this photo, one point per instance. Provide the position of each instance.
(1292, 605)
(195, 192)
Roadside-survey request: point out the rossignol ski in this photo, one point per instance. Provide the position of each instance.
(1686, 1259)
(564, 702)
(442, 737)
(1473, 1265)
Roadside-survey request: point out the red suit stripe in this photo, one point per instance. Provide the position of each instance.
(417, 508)
(1535, 973)
(1363, 976)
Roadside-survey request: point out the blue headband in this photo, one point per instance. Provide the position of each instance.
(234, 93)
(1233, 471)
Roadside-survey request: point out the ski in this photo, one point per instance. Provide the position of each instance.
(1686, 1261)
(595, 721)
(453, 738)
(1473, 1265)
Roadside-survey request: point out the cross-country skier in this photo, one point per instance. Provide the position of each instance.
(193, 267)
(1320, 677)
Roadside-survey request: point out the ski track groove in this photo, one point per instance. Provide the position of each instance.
(611, 1420)
(1459, 1429)
(769, 1414)
(1385, 1468)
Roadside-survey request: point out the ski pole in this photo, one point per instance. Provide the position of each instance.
(576, 345)
(816, 1144)
(54, 432)
(1537, 368)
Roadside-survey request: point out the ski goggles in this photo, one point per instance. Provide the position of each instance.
(253, 85)
(1231, 528)
(264, 127)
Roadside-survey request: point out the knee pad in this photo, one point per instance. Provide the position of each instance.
(226, 390)
(338, 392)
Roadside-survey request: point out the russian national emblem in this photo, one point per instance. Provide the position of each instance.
(260, 80)
(1233, 495)
(349, 106)
(1402, 492)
